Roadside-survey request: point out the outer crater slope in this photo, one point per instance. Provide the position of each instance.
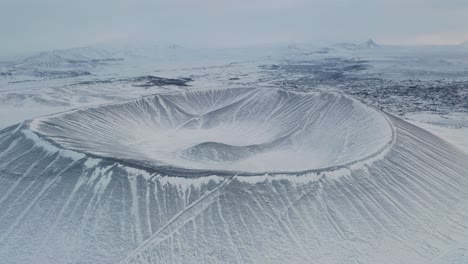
(346, 183)
(237, 130)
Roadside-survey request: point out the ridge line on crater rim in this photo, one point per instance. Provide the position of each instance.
(195, 172)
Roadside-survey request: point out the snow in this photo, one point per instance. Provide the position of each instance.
(452, 127)
(88, 182)
(407, 204)
(225, 130)
(51, 149)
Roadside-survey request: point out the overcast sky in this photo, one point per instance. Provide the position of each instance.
(31, 25)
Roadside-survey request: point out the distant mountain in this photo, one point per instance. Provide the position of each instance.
(58, 64)
(88, 53)
(369, 44)
(145, 51)
(76, 57)
(174, 46)
(51, 59)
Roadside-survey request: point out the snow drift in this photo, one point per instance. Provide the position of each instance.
(354, 184)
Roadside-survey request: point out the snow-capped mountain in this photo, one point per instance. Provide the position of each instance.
(77, 57)
(58, 64)
(369, 44)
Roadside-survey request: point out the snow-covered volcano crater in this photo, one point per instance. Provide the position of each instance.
(230, 130)
(406, 202)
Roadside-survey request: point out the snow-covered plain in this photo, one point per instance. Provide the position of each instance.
(268, 155)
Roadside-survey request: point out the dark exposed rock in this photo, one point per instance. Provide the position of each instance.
(150, 81)
(141, 81)
(59, 74)
(396, 96)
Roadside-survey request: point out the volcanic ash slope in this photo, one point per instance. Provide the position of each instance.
(231, 176)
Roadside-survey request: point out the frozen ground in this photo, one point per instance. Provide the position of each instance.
(93, 185)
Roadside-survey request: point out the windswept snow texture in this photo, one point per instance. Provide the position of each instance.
(405, 200)
(248, 130)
